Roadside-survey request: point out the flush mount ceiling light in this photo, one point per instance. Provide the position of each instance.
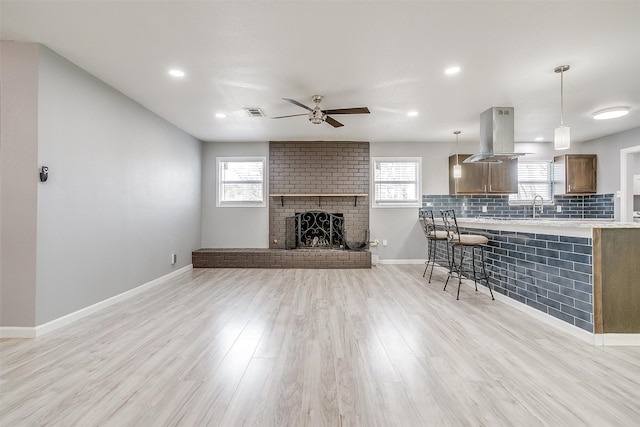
(611, 113)
(562, 135)
(540, 138)
(457, 169)
(176, 73)
(412, 113)
(221, 115)
(452, 70)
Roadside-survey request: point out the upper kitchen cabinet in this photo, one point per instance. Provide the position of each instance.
(575, 174)
(484, 178)
(473, 180)
(503, 177)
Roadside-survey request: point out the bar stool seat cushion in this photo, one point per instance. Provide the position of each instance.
(438, 235)
(470, 239)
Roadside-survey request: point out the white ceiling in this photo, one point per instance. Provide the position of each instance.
(389, 56)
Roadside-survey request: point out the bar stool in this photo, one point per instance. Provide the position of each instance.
(433, 236)
(464, 242)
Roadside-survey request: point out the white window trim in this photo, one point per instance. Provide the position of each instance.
(411, 204)
(528, 202)
(247, 204)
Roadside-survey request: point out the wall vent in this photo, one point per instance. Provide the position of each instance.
(254, 112)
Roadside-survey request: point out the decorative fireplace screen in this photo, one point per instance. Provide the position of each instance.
(319, 229)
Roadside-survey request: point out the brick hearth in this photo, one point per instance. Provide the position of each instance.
(280, 258)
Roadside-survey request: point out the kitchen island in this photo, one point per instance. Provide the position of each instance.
(583, 272)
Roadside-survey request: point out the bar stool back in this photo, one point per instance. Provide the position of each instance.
(433, 236)
(464, 242)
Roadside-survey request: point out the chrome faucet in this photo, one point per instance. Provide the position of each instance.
(533, 206)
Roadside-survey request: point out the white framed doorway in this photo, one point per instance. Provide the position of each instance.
(626, 182)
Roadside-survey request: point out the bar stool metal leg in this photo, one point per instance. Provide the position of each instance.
(473, 265)
(484, 271)
(431, 257)
(460, 271)
(452, 264)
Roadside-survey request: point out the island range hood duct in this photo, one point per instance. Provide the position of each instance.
(496, 136)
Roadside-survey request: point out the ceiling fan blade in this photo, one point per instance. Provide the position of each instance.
(294, 102)
(293, 115)
(355, 110)
(333, 122)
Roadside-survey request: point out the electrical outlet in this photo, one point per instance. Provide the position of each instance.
(558, 208)
(484, 209)
(384, 242)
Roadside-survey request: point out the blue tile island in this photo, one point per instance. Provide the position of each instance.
(585, 273)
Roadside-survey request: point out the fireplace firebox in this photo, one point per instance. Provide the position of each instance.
(315, 229)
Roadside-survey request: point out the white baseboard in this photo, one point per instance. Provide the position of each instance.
(37, 331)
(17, 332)
(617, 340)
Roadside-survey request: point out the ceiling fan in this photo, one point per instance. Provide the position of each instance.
(317, 115)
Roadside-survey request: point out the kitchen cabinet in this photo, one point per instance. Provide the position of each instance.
(484, 178)
(574, 174)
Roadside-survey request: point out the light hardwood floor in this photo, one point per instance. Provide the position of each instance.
(260, 347)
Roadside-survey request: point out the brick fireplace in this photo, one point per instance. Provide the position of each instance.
(330, 178)
(319, 176)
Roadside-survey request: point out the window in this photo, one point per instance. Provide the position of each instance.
(396, 182)
(534, 178)
(241, 182)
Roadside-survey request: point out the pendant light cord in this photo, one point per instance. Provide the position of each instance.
(561, 97)
(561, 69)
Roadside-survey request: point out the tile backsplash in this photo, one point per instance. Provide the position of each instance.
(572, 207)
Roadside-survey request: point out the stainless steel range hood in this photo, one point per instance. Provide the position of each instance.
(496, 136)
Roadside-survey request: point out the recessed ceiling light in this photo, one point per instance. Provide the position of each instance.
(452, 70)
(221, 115)
(611, 113)
(540, 138)
(412, 113)
(176, 73)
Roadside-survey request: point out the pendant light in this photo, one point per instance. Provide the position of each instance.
(457, 169)
(562, 135)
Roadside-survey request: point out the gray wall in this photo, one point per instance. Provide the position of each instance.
(124, 193)
(608, 150)
(18, 182)
(398, 226)
(231, 227)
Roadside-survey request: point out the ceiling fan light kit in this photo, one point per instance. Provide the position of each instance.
(317, 115)
(562, 134)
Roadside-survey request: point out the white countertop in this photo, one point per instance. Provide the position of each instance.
(561, 227)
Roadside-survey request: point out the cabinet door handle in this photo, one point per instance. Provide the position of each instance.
(569, 188)
(485, 188)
